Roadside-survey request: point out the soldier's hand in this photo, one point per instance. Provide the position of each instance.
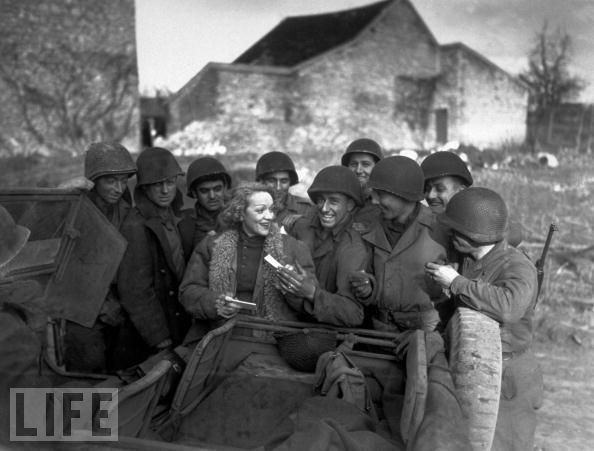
(297, 281)
(361, 284)
(289, 220)
(224, 308)
(402, 341)
(443, 275)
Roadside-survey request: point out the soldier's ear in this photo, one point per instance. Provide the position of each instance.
(350, 204)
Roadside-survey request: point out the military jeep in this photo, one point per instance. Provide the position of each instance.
(238, 390)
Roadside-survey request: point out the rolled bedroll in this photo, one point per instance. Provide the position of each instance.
(474, 347)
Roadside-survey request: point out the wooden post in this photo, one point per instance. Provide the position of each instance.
(550, 129)
(578, 140)
(591, 108)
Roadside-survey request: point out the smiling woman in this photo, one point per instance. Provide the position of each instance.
(231, 265)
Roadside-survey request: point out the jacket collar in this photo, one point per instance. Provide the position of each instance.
(154, 217)
(201, 212)
(496, 254)
(377, 237)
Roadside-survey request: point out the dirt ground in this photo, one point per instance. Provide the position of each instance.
(566, 419)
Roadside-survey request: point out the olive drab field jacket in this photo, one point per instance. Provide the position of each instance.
(147, 279)
(196, 223)
(401, 285)
(336, 254)
(502, 285)
(295, 205)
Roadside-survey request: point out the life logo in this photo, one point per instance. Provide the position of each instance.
(63, 414)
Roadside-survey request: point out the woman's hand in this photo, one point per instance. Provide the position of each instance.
(224, 308)
(297, 281)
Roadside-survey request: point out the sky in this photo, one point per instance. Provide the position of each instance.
(177, 38)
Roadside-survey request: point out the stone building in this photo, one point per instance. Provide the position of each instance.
(374, 71)
(68, 75)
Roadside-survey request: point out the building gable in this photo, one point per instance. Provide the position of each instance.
(297, 39)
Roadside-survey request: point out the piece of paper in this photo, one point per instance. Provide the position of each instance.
(273, 261)
(240, 304)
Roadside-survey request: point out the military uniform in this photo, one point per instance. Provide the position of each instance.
(88, 349)
(195, 225)
(152, 267)
(406, 237)
(403, 297)
(149, 275)
(294, 205)
(336, 253)
(503, 286)
(199, 222)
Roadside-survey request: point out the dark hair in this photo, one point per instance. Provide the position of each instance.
(232, 214)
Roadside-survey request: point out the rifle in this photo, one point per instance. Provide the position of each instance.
(541, 261)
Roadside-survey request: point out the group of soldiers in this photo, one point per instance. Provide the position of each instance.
(382, 243)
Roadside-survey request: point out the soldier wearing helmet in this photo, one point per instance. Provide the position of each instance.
(276, 170)
(400, 295)
(501, 282)
(338, 250)
(445, 175)
(153, 264)
(107, 168)
(361, 156)
(208, 182)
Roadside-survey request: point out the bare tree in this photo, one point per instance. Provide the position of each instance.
(548, 77)
(69, 87)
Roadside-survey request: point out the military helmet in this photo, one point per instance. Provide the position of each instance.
(107, 158)
(336, 179)
(274, 162)
(206, 168)
(13, 237)
(478, 213)
(399, 176)
(441, 164)
(156, 164)
(362, 145)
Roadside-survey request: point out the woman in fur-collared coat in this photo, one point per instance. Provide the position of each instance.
(232, 263)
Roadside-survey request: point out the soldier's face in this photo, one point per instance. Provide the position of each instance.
(279, 181)
(333, 208)
(362, 164)
(391, 206)
(162, 193)
(440, 190)
(111, 187)
(258, 214)
(463, 244)
(210, 195)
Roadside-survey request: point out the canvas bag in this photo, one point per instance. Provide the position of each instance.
(338, 377)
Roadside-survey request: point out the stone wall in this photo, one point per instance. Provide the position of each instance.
(386, 83)
(359, 88)
(68, 75)
(486, 106)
